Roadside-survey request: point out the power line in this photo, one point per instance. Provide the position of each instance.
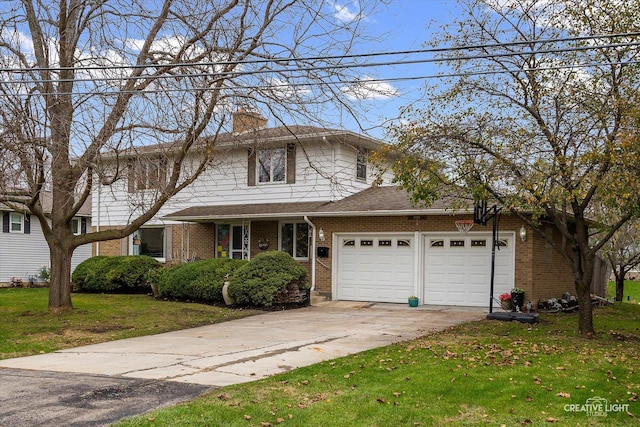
(277, 87)
(348, 56)
(230, 74)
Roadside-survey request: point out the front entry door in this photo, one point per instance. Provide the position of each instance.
(232, 241)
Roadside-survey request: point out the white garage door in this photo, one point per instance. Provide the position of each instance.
(457, 268)
(375, 267)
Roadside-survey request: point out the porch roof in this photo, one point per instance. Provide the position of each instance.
(374, 201)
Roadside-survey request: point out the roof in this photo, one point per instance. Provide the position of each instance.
(261, 136)
(374, 201)
(46, 199)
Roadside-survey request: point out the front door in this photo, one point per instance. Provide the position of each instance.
(232, 241)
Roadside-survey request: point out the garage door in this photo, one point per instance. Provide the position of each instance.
(375, 267)
(457, 269)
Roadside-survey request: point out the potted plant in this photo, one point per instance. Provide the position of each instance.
(517, 298)
(505, 301)
(413, 301)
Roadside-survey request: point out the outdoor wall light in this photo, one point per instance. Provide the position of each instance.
(321, 235)
(523, 234)
(136, 240)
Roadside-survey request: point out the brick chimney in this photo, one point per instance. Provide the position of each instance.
(247, 121)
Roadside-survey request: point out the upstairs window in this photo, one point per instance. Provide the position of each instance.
(272, 165)
(361, 163)
(147, 173)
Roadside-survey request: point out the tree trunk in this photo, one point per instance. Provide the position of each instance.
(60, 285)
(619, 287)
(585, 308)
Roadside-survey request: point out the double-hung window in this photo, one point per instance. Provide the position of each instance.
(294, 239)
(16, 222)
(272, 163)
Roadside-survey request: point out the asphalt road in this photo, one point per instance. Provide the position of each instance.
(44, 398)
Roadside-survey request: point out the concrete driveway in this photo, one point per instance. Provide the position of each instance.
(217, 355)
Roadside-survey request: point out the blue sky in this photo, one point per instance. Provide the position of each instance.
(402, 25)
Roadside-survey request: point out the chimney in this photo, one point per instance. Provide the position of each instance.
(247, 121)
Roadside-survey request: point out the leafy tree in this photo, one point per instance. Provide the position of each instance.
(84, 81)
(537, 111)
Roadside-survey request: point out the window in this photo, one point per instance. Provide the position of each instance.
(456, 243)
(272, 165)
(436, 243)
(361, 163)
(294, 239)
(147, 173)
(149, 241)
(16, 222)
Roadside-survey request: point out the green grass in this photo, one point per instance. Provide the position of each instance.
(631, 291)
(484, 373)
(28, 327)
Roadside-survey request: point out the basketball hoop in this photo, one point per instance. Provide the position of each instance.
(464, 225)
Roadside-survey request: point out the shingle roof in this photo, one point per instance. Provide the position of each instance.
(388, 200)
(46, 199)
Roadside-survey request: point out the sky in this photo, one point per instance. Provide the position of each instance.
(402, 25)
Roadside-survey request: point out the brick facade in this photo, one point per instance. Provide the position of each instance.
(539, 269)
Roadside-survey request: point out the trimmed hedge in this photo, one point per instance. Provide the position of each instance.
(270, 278)
(114, 274)
(197, 281)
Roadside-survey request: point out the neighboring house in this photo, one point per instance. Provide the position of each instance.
(308, 191)
(23, 248)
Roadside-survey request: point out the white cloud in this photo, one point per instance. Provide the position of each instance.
(368, 88)
(343, 13)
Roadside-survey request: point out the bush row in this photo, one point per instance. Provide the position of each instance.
(114, 274)
(270, 278)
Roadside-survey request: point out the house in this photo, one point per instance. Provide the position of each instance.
(23, 248)
(309, 191)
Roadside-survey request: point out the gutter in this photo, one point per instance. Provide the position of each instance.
(313, 253)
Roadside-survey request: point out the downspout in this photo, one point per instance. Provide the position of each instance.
(313, 252)
(98, 219)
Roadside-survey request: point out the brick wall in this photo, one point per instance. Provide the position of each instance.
(539, 278)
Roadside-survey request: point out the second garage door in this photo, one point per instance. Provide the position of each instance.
(375, 267)
(457, 269)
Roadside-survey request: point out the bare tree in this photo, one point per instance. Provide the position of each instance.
(83, 81)
(537, 111)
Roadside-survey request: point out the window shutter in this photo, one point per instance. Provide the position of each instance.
(83, 225)
(162, 173)
(251, 168)
(291, 163)
(5, 222)
(27, 224)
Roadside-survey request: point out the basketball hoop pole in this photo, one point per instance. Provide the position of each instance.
(481, 216)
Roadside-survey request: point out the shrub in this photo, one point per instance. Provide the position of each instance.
(197, 281)
(114, 274)
(270, 278)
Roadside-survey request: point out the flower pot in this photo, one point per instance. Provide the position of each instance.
(517, 299)
(506, 305)
(413, 302)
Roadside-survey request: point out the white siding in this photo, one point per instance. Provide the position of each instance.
(22, 255)
(324, 171)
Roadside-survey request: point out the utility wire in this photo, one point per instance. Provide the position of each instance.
(230, 74)
(339, 57)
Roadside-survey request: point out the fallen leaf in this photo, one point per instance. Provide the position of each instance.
(280, 420)
(265, 424)
(552, 420)
(151, 419)
(396, 393)
(381, 400)
(346, 376)
(247, 417)
(563, 394)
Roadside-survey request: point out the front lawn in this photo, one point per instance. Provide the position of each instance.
(28, 327)
(484, 373)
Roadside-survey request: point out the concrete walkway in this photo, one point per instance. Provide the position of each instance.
(102, 383)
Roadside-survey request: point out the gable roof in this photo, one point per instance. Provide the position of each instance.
(46, 199)
(374, 201)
